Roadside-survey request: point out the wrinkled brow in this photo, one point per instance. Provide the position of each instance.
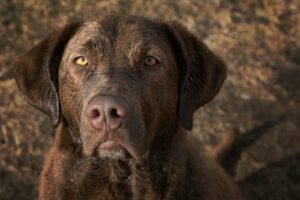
(95, 45)
(136, 48)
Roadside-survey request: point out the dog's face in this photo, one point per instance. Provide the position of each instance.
(120, 82)
(126, 64)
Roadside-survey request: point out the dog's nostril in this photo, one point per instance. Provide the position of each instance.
(95, 113)
(114, 113)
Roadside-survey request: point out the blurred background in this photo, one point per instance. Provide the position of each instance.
(260, 100)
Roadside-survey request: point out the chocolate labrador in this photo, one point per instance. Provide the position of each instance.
(121, 92)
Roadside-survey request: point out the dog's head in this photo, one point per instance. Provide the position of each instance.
(119, 82)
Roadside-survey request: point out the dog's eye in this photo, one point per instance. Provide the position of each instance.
(150, 61)
(82, 61)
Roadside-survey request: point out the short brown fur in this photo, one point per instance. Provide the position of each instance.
(155, 156)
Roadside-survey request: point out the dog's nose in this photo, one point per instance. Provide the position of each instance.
(106, 112)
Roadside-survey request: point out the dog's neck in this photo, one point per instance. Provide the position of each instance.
(162, 170)
(154, 171)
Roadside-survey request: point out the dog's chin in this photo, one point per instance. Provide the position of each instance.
(111, 150)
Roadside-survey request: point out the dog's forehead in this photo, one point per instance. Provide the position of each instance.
(129, 31)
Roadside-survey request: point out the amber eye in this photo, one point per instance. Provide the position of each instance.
(82, 61)
(150, 61)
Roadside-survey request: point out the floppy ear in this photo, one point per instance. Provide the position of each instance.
(201, 72)
(36, 71)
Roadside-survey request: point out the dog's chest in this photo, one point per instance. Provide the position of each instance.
(108, 191)
(101, 181)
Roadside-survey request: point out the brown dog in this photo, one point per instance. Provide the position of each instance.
(121, 92)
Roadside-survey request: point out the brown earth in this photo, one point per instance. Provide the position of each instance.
(260, 41)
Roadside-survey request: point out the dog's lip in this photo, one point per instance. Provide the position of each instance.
(116, 145)
(107, 145)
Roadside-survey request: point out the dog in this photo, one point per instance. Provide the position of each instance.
(121, 92)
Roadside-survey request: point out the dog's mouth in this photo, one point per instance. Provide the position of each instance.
(124, 143)
(109, 145)
(112, 150)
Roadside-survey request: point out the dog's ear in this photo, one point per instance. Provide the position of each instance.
(36, 71)
(201, 72)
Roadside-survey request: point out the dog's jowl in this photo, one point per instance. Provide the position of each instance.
(121, 92)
